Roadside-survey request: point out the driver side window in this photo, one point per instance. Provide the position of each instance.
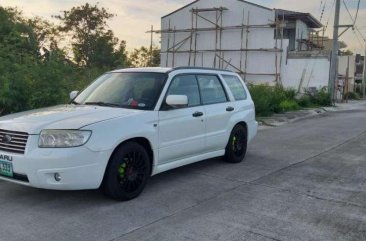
(186, 85)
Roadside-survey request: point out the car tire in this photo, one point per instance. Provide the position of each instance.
(237, 146)
(127, 173)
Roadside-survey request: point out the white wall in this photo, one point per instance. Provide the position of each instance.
(300, 73)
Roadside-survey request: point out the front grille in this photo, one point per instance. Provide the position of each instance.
(17, 143)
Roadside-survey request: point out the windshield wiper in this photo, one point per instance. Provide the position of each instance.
(74, 102)
(101, 103)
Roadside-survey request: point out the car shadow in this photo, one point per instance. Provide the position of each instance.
(18, 192)
(214, 167)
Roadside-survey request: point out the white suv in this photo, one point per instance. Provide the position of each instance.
(127, 125)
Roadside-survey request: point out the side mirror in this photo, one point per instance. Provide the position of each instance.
(177, 101)
(73, 94)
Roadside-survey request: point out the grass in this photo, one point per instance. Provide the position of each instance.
(269, 100)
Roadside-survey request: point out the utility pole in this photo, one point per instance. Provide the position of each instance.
(151, 45)
(346, 83)
(333, 76)
(364, 73)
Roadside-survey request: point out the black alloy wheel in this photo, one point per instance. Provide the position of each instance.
(127, 172)
(237, 146)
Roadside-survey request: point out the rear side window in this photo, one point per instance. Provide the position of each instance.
(186, 85)
(236, 87)
(212, 91)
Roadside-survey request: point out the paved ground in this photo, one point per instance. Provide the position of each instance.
(302, 181)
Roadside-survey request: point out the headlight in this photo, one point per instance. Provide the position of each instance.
(63, 138)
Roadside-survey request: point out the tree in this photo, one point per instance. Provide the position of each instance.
(122, 53)
(46, 35)
(347, 52)
(34, 71)
(144, 57)
(18, 53)
(37, 72)
(94, 45)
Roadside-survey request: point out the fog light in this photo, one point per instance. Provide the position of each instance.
(57, 177)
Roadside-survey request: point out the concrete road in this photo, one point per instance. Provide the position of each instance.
(302, 181)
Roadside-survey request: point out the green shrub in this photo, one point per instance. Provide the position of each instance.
(321, 97)
(269, 100)
(315, 98)
(290, 94)
(305, 101)
(289, 105)
(353, 96)
(278, 95)
(261, 95)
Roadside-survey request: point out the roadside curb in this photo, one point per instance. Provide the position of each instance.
(289, 117)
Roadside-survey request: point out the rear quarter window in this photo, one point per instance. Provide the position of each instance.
(212, 91)
(236, 87)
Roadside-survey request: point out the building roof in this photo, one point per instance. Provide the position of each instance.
(307, 18)
(189, 4)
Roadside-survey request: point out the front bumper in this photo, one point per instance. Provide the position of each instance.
(79, 168)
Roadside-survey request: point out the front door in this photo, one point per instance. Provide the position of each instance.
(182, 131)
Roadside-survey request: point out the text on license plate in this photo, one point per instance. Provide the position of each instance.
(6, 168)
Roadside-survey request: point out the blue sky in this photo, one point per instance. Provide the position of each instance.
(135, 17)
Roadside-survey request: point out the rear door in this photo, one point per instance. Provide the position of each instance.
(182, 131)
(218, 111)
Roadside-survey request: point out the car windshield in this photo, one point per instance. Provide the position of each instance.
(126, 90)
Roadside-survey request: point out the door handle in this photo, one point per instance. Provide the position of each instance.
(197, 114)
(230, 109)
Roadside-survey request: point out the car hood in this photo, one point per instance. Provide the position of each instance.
(61, 117)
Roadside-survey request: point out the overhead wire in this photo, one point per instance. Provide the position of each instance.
(358, 38)
(330, 16)
(321, 5)
(322, 9)
(348, 11)
(358, 9)
(354, 25)
(354, 20)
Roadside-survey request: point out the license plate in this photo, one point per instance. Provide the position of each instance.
(6, 168)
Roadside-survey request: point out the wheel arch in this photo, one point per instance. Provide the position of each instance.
(241, 123)
(143, 141)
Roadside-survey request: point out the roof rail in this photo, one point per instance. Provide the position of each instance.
(199, 68)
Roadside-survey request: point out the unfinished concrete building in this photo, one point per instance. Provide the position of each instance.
(263, 45)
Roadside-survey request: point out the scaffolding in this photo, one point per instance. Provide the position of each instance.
(219, 60)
